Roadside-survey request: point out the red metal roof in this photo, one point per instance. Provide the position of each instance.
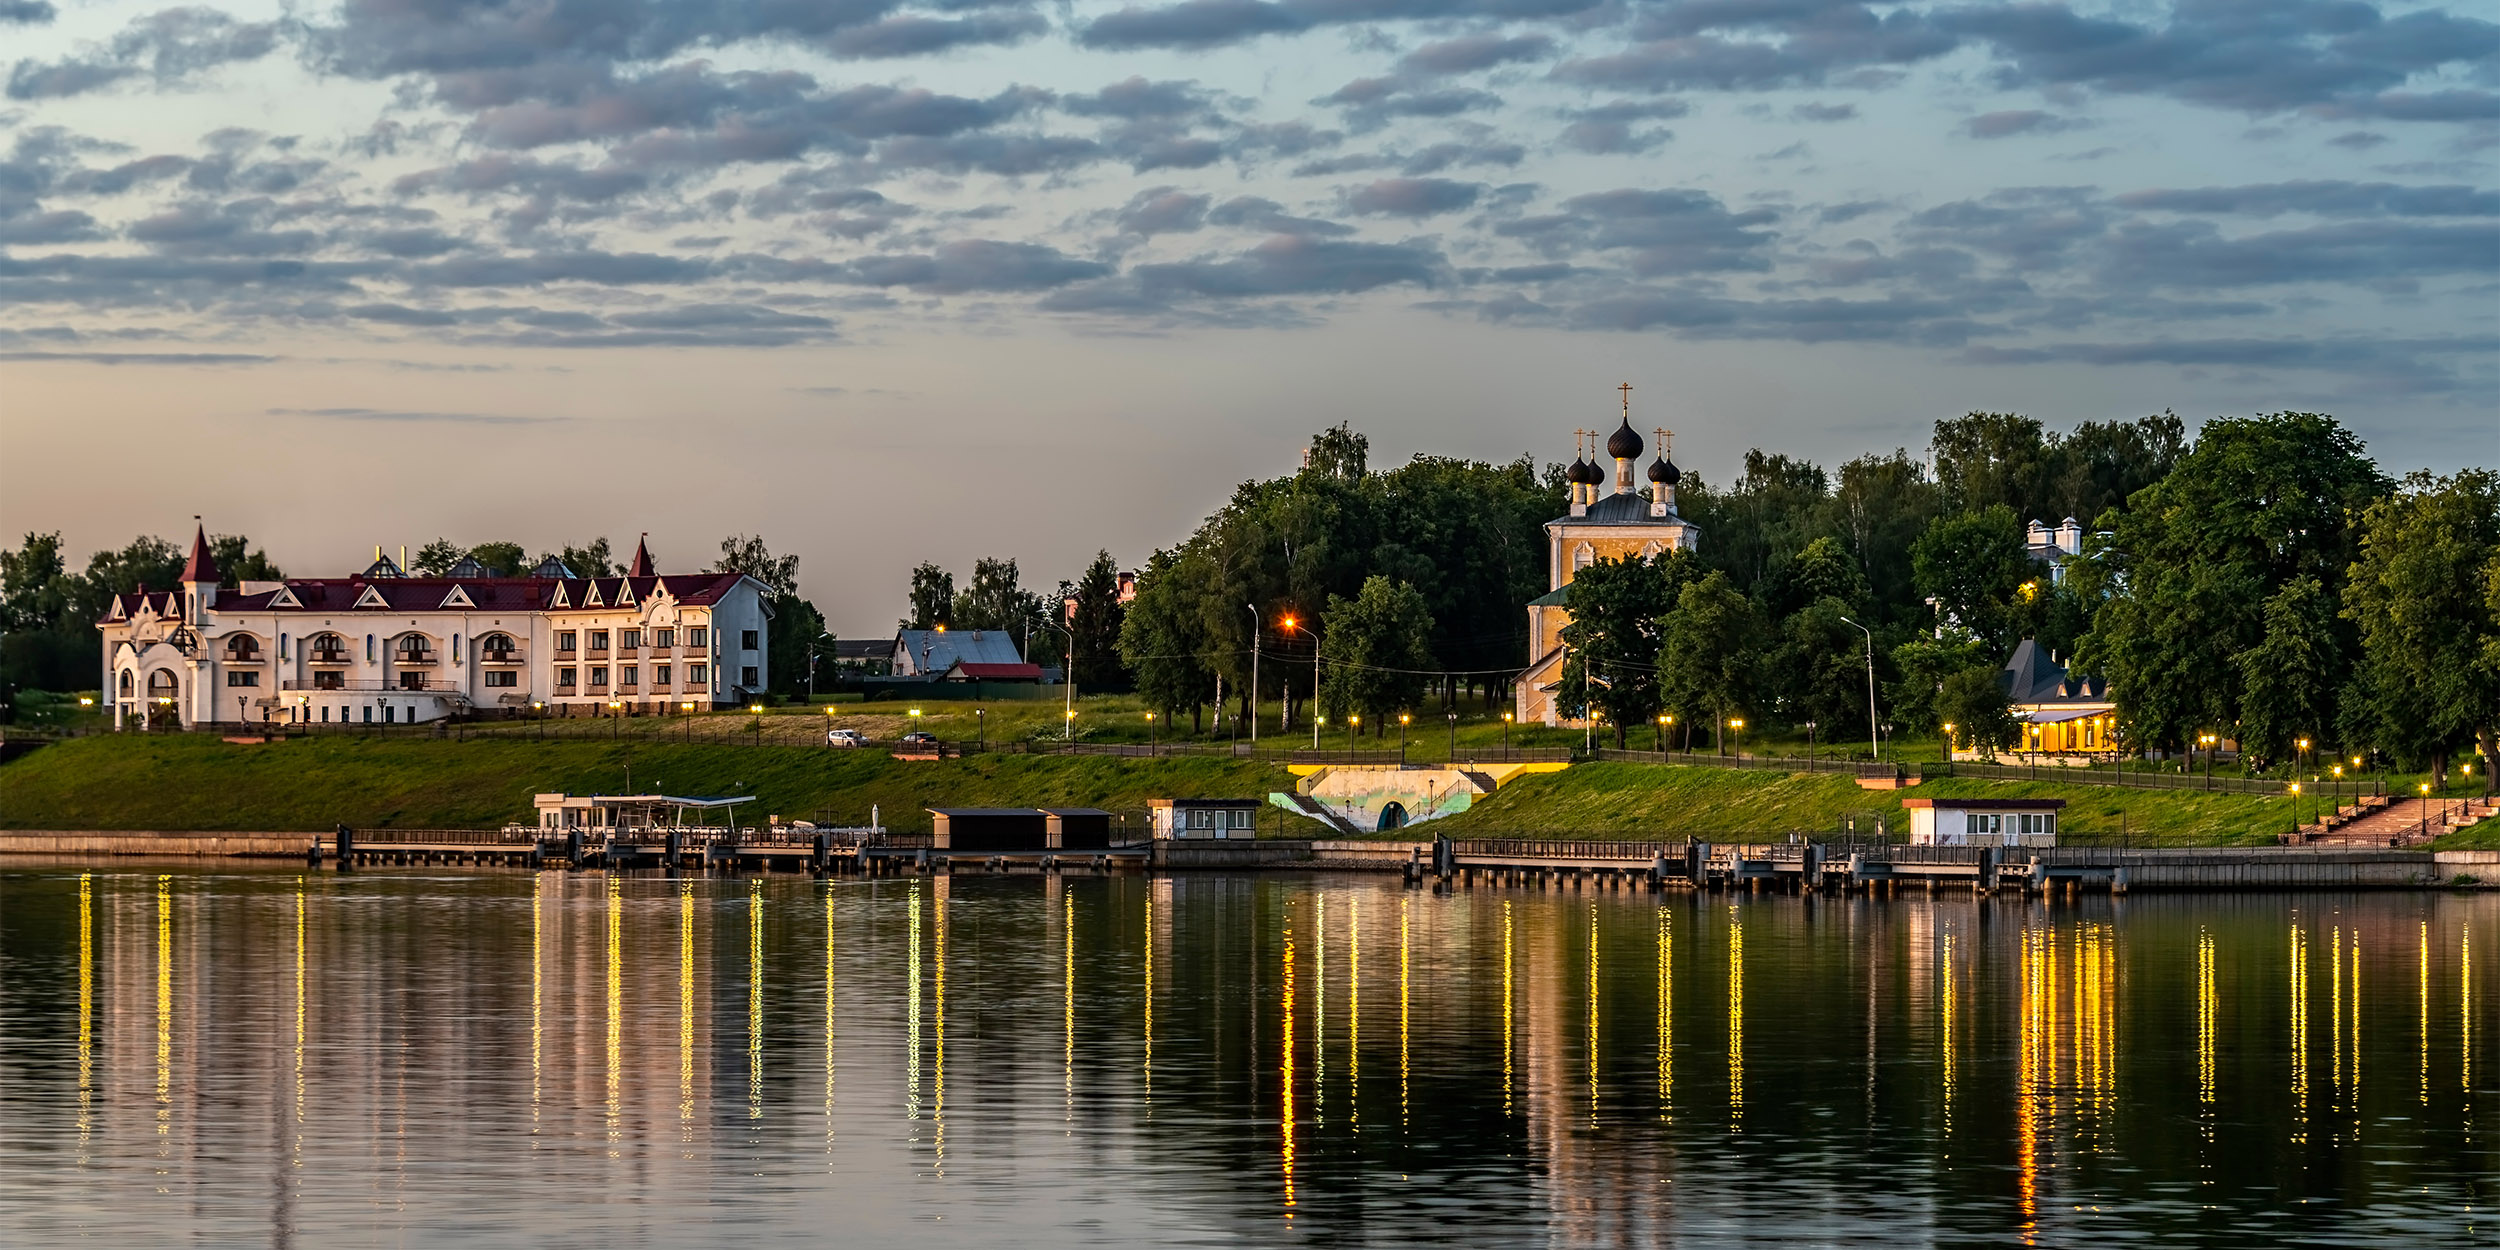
(427, 594)
(997, 672)
(202, 566)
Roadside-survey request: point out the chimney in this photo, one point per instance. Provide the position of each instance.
(2070, 537)
(2037, 535)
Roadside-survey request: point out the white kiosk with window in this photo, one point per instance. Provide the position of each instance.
(1205, 818)
(1983, 822)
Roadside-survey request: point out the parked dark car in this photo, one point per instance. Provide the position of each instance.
(917, 738)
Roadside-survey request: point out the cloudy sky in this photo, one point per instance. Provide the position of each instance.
(900, 279)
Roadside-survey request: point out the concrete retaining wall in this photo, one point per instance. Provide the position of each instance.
(1294, 853)
(153, 842)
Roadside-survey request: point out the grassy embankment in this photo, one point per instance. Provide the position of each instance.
(196, 782)
(192, 781)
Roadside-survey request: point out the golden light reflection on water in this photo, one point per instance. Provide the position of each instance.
(164, 1013)
(86, 1013)
(911, 1008)
(685, 1011)
(1405, 1009)
(1285, 1071)
(616, 1014)
(2423, 983)
(296, 1147)
(1592, 1026)
(755, 1000)
(1945, 1027)
(538, 994)
(2030, 1088)
(1354, 1013)
(1666, 1019)
(2335, 1006)
(2208, 1012)
(2465, 1009)
(1319, 1009)
(1735, 1022)
(1508, 1033)
(2353, 1001)
(2299, 990)
(941, 893)
(828, 1018)
(1150, 1000)
(1067, 1013)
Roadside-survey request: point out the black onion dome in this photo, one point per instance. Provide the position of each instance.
(1584, 473)
(1664, 473)
(1623, 444)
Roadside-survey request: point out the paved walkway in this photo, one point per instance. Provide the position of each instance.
(2400, 821)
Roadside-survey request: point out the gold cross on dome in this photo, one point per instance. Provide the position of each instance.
(1666, 438)
(1626, 388)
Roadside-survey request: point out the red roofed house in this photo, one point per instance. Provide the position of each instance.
(381, 647)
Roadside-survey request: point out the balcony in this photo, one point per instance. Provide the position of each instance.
(243, 657)
(413, 659)
(395, 686)
(336, 656)
(502, 655)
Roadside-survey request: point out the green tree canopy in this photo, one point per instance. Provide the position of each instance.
(1377, 651)
(1973, 565)
(1973, 702)
(1619, 609)
(2425, 597)
(1707, 665)
(2291, 674)
(1095, 619)
(932, 598)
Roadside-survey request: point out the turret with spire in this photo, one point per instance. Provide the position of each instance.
(199, 577)
(641, 566)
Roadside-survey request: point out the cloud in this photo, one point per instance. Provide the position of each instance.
(1469, 53)
(1190, 24)
(2017, 122)
(144, 358)
(26, 12)
(2195, 254)
(1790, 43)
(2254, 56)
(1413, 197)
(2323, 198)
(970, 265)
(916, 35)
(1610, 128)
(1164, 210)
(401, 415)
(1661, 231)
(171, 46)
(1823, 112)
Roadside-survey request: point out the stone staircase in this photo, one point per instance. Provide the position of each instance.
(2401, 822)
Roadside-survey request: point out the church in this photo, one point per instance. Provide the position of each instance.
(1627, 522)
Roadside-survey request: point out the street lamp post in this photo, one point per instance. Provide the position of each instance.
(981, 728)
(686, 710)
(2295, 811)
(1353, 726)
(1872, 742)
(1738, 724)
(1403, 719)
(1151, 740)
(2426, 809)
(1316, 719)
(1255, 631)
(1453, 716)
(616, 720)
(758, 710)
(1665, 720)
(1506, 718)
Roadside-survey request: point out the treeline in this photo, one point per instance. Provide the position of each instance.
(2267, 584)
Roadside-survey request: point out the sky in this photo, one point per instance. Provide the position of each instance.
(900, 280)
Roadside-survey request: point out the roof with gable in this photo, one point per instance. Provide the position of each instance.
(202, 567)
(2033, 676)
(641, 566)
(972, 670)
(432, 594)
(937, 650)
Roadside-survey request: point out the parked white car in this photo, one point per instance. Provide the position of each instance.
(845, 738)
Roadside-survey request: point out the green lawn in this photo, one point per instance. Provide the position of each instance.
(191, 781)
(1643, 800)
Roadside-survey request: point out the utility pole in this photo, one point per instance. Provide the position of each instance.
(1254, 675)
(1873, 743)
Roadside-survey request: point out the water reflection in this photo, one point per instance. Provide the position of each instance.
(489, 1059)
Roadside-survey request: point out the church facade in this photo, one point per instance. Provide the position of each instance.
(1625, 522)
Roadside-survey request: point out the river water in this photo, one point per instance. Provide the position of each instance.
(572, 1059)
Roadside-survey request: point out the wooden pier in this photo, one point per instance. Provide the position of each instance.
(1773, 867)
(836, 852)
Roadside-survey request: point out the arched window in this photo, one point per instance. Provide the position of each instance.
(242, 649)
(162, 684)
(496, 648)
(125, 684)
(329, 649)
(412, 649)
(1582, 557)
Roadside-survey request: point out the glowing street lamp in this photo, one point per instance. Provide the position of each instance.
(1290, 624)
(687, 707)
(1663, 721)
(1151, 739)
(1403, 718)
(1738, 724)
(1353, 725)
(758, 710)
(2295, 810)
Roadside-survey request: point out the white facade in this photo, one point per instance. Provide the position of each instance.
(1983, 822)
(379, 648)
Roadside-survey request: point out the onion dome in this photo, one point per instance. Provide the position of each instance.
(1583, 473)
(1663, 473)
(1623, 444)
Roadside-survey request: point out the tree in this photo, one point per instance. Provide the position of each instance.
(2425, 598)
(796, 630)
(1991, 459)
(148, 561)
(932, 598)
(1158, 638)
(1618, 619)
(238, 561)
(1823, 570)
(1973, 702)
(1819, 669)
(1095, 619)
(994, 600)
(590, 560)
(435, 559)
(1926, 662)
(33, 593)
(2291, 675)
(1973, 565)
(1338, 452)
(1378, 650)
(2195, 557)
(501, 559)
(746, 553)
(1708, 660)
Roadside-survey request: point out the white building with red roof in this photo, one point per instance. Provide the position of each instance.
(381, 647)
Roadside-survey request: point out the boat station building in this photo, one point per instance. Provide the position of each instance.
(1983, 822)
(381, 647)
